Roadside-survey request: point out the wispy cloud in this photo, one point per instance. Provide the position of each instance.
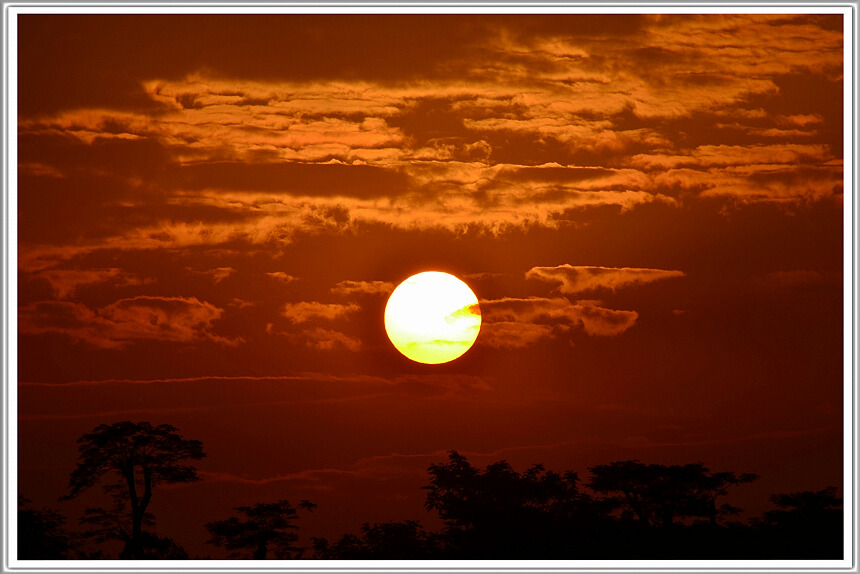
(576, 279)
(305, 311)
(516, 323)
(217, 274)
(513, 334)
(346, 288)
(448, 380)
(65, 282)
(125, 321)
(303, 377)
(281, 276)
(384, 467)
(327, 339)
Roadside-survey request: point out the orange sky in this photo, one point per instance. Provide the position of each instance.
(213, 209)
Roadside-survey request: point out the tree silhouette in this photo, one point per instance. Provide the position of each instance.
(156, 547)
(667, 512)
(642, 511)
(41, 535)
(709, 486)
(657, 494)
(468, 498)
(137, 456)
(806, 525)
(805, 507)
(629, 478)
(266, 526)
(387, 541)
(499, 512)
(106, 525)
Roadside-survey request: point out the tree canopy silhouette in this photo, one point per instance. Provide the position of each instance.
(267, 526)
(137, 457)
(501, 513)
(657, 494)
(386, 541)
(633, 511)
(805, 524)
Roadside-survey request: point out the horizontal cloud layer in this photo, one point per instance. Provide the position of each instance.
(305, 311)
(175, 319)
(527, 128)
(345, 288)
(514, 323)
(575, 279)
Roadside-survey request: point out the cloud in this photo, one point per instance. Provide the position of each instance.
(449, 383)
(529, 130)
(600, 321)
(209, 379)
(513, 335)
(281, 276)
(516, 323)
(326, 340)
(522, 310)
(125, 321)
(801, 120)
(263, 220)
(389, 466)
(576, 279)
(217, 274)
(379, 467)
(65, 282)
(305, 311)
(707, 156)
(772, 183)
(345, 288)
(446, 381)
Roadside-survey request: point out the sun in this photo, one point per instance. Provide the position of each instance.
(432, 317)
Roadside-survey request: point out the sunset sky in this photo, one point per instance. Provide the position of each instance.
(213, 209)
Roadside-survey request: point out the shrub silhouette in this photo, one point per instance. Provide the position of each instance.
(264, 527)
(386, 541)
(41, 533)
(805, 525)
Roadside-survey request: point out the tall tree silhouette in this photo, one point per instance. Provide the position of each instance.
(267, 526)
(137, 456)
(113, 524)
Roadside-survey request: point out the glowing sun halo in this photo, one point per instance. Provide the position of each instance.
(432, 317)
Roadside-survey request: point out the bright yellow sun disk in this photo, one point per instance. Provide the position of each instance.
(432, 317)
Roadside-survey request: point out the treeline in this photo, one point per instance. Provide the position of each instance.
(625, 510)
